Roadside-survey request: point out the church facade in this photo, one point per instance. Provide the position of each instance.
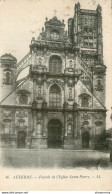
(60, 103)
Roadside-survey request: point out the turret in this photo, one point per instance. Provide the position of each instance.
(7, 72)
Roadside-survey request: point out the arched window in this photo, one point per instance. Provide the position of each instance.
(23, 99)
(85, 98)
(55, 64)
(23, 96)
(55, 34)
(7, 77)
(84, 102)
(55, 96)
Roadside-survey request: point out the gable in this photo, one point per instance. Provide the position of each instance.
(25, 88)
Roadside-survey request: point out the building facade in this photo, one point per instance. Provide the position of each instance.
(61, 102)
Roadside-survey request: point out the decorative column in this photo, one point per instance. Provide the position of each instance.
(75, 25)
(99, 35)
(34, 122)
(65, 124)
(44, 125)
(77, 28)
(39, 124)
(44, 88)
(65, 90)
(75, 124)
(34, 54)
(13, 122)
(34, 88)
(66, 52)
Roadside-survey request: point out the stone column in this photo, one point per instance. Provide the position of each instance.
(13, 122)
(44, 125)
(34, 89)
(75, 25)
(75, 124)
(34, 122)
(66, 53)
(65, 90)
(34, 55)
(44, 88)
(66, 125)
(99, 39)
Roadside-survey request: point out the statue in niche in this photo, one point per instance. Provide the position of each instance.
(69, 128)
(39, 93)
(21, 114)
(39, 127)
(40, 61)
(70, 93)
(70, 64)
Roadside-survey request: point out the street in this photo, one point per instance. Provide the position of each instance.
(55, 158)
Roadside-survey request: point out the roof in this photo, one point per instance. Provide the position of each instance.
(8, 57)
(55, 21)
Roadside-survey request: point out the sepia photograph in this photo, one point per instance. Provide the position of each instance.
(56, 94)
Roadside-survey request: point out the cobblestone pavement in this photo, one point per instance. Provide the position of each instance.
(55, 158)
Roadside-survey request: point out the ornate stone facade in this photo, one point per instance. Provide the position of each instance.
(61, 102)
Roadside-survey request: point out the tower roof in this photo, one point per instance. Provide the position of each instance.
(8, 57)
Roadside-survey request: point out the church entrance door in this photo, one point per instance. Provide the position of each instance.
(54, 134)
(85, 139)
(21, 139)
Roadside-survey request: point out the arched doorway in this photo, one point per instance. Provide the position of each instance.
(85, 139)
(21, 136)
(55, 134)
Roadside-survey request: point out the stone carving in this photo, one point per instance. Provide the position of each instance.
(40, 81)
(55, 81)
(98, 123)
(40, 53)
(71, 64)
(75, 105)
(7, 80)
(70, 118)
(70, 93)
(69, 128)
(7, 114)
(21, 114)
(39, 127)
(39, 93)
(70, 83)
(70, 123)
(23, 96)
(85, 116)
(84, 100)
(65, 105)
(99, 86)
(98, 116)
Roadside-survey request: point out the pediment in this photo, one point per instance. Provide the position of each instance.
(55, 21)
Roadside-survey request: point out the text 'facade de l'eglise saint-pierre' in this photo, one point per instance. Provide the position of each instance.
(61, 102)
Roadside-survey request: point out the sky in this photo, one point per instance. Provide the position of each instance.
(20, 20)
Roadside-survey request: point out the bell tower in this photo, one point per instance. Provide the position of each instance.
(7, 72)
